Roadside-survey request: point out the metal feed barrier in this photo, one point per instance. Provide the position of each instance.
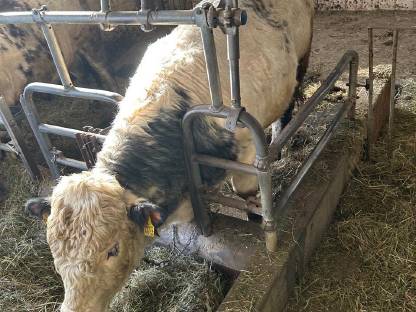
(207, 16)
(16, 145)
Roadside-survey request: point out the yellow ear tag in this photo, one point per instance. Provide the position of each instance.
(149, 228)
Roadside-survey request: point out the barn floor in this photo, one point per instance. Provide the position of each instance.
(365, 263)
(366, 260)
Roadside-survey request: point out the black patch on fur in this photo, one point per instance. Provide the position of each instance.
(10, 5)
(155, 158)
(263, 11)
(298, 94)
(16, 32)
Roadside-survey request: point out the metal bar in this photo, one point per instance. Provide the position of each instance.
(224, 163)
(57, 56)
(69, 162)
(144, 5)
(212, 67)
(34, 120)
(67, 132)
(165, 17)
(81, 93)
(45, 145)
(370, 117)
(232, 202)
(392, 93)
(17, 139)
(105, 5)
(8, 148)
(261, 164)
(233, 55)
(313, 156)
(277, 145)
(352, 86)
(193, 171)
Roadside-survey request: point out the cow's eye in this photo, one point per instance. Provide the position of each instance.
(113, 252)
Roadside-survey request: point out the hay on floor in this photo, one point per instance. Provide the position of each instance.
(367, 262)
(167, 280)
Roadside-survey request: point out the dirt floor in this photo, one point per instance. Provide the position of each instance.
(336, 32)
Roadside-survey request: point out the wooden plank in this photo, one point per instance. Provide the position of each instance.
(381, 111)
(269, 278)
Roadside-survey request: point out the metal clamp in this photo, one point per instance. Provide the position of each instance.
(269, 226)
(145, 7)
(37, 14)
(261, 163)
(232, 119)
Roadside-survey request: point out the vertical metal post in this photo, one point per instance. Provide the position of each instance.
(106, 8)
(370, 117)
(352, 90)
(57, 56)
(145, 7)
(105, 5)
(212, 67)
(264, 179)
(17, 138)
(233, 55)
(202, 216)
(43, 139)
(392, 93)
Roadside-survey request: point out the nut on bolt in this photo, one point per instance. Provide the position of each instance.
(240, 17)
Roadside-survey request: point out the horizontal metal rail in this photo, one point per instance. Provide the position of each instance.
(67, 132)
(69, 162)
(165, 17)
(240, 204)
(224, 163)
(349, 58)
(7, 148)
(345, 107)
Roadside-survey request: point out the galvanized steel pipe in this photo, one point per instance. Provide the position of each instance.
(167, 17)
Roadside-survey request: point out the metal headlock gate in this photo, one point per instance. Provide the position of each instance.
(207, 16)
(16, 145)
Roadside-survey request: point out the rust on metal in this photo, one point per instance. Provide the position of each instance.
(89, 147)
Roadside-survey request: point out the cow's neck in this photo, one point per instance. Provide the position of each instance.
(148, 158)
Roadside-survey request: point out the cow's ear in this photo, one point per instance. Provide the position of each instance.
(39, 208)
(141, 212)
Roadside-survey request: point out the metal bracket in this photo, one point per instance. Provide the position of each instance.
(89, 147)
(232, 120)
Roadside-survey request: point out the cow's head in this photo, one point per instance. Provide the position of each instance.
(95, 233)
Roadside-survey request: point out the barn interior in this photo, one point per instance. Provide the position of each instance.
(365, 259)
